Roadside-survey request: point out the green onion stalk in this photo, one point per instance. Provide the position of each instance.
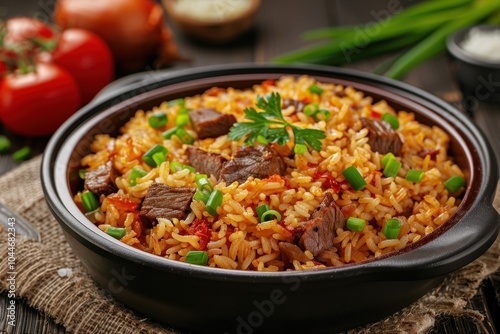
(414, 34)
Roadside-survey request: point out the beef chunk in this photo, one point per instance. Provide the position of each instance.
(259, 161)
(317, 234)
(209, 123)
(101, 180)
(205, 162)
(290, 252)
(381, 136)
(162, 201)
(299, 106)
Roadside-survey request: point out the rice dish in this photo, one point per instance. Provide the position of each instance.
(307, 195)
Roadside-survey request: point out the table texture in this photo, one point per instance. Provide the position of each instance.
(277, 29)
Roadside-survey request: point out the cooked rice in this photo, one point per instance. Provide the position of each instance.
(237, 239)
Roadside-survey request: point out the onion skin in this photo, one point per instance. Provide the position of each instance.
(133, 29)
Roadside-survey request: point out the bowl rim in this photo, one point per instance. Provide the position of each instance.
(453, 46)
(394, 266)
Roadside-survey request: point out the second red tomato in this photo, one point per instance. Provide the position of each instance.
(87, 58)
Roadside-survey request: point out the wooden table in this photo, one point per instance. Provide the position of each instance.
(277, 30)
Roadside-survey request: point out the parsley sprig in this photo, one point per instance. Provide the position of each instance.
(271, 126)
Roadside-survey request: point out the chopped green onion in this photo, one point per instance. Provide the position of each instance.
(311, 109)
(181, 120)
(135, 174)
(271, 213)
(203, 183)
(392, 228)
(262, 140)
(184, 111)
(260, 211)
(354, 178)
(169, 133)
(300, 149)
(116, 232)
(89, 201)
(197, 257)
(184, 136)
(159, 158)
(386, 158)
(454, 183)
(391, 119)
(5, 144)
(213, 202)
(322, 115)
(316, 89)
(392, 168)
(176, 102)
(155, 154)
(176, 166)
(414, 175)
(200, 176)
(355, 224)
(201, 195)
(22, 154)
(81, 173)
(158, 120)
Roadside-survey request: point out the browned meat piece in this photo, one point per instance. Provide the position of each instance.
(101, 180)
(205, 162)
(209, 123)
(299, 106)
(317, 234)
(428, 151)
(290, 252)
(382, 137)
(162, 201)
(258, 161)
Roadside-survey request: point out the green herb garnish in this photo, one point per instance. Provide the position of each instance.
(272, 126)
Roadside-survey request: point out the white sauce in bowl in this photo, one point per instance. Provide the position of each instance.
(483, 44)
(211, 10)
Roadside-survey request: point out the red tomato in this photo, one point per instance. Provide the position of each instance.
(87, 57)
(37, 103)
(24, 29)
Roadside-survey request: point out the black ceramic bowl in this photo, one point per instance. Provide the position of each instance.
(479, 79)
(201, 299)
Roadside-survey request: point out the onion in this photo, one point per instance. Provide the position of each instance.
(133, 29)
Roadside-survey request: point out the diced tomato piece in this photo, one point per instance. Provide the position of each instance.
(348, 210)
(122, 203)
(200, 228)
(329, 181)
(375, 114)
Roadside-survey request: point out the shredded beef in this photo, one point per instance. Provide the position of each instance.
(259, 161)
(381, 136)
(101, 180)
(317, 234)
(162, 201)
(209, 123)
(205, 162)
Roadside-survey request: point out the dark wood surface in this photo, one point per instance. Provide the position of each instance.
(277, 30)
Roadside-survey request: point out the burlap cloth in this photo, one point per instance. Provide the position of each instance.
(81, 306)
